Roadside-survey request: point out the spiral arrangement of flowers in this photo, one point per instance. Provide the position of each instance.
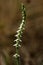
(19, 33)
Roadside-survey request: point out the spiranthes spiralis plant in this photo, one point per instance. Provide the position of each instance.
(19, 35)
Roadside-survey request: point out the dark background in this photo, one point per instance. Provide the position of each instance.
(31, 50)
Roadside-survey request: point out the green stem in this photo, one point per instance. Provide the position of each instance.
(19, 34)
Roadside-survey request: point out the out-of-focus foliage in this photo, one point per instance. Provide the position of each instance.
(32, 46)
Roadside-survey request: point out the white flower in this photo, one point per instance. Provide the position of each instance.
(23, 17)
(23, 21)
(18, 31)
(16, 55)
(17, 45)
